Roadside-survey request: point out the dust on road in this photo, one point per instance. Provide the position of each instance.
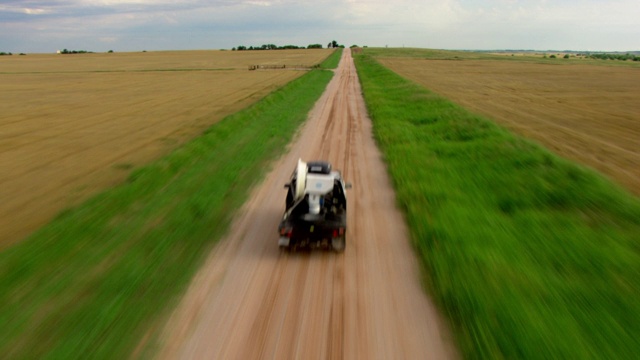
(251, 301)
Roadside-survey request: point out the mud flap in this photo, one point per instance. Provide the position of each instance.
(284, 241)
(338, 244)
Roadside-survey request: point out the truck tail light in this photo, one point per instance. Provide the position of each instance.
(286, 232)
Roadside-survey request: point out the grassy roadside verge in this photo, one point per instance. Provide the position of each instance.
(91, 283)
(528, 255)
(333, 60)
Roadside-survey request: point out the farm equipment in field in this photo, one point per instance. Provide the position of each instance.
(316, 208)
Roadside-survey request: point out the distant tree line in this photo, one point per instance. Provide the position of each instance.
(332, 44)
(65, 51)
(2, 53)
(274, 47)
(623, 57)
(598, 56)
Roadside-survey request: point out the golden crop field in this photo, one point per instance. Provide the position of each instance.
(585, 112)
(71, 125)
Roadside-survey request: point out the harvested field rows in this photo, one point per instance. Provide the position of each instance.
(587, 113)
(74, 124)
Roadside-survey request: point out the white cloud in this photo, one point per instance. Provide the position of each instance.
(29, 11)
(259, 3)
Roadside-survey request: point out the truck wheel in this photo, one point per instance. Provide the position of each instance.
(338, 244)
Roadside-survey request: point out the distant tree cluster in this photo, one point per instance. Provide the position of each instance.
(622, 57)
(2, 53)
(272, 47)
(334, 44)
(65, 51)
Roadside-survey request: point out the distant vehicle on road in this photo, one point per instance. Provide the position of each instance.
(316, 208)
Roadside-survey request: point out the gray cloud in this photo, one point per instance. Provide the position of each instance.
(131, 25)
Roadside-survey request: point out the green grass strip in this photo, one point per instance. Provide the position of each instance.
(94, 281)
(528, 255)
(333, 60)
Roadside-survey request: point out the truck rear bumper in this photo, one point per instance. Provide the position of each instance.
(319, 234)
(284, 241)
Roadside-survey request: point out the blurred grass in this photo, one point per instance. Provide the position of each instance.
(528, 255)
(96, 280)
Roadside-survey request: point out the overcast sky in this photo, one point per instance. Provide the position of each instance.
(135, 25)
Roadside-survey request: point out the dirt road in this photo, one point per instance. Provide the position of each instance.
(251, 301)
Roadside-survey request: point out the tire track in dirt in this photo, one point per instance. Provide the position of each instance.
(250, 301)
